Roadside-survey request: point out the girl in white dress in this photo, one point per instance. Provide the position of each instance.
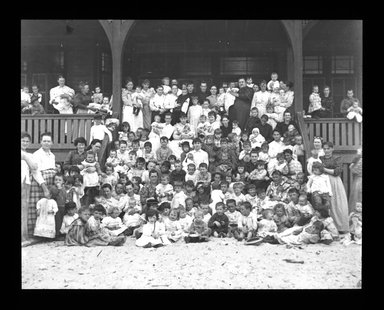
(173, 227)
(128, 100)
(69, 217)
(194, 112)
(90, 179)
(46, 210)
(153, 232)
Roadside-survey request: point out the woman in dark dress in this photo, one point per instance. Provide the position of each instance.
(326, 104)
(82, 99)
(241, 108)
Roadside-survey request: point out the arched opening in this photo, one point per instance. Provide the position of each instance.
(332, 51)
(78, 49)
(210, 50)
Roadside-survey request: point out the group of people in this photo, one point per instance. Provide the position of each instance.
(64, 100)
(188, 166)
(142, 103)
(322, 106)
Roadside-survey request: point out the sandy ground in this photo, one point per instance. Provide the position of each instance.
(218, 264)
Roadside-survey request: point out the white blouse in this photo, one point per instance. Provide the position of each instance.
(45, 160)
(57, 91)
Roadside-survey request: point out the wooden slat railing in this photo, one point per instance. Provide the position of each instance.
(65, 128)
(346, 135)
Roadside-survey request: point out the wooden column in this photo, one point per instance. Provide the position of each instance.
(297, 44)
(290, 67)
(117, 31)
(117, 51)
(359, 64)
(295, 64)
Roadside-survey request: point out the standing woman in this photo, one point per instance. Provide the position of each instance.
(261, 98)
(27, 165)
(126, 95)
(147, 93)
(326, 103)
(42, 178)
(241, 108)
(339, 202)
(318, 145)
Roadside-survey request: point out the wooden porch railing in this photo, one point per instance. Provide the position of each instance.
(64, 128)
(346, 135)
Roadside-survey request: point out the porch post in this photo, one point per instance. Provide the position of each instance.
(297, 44)
(290, 66)
(117, 50)
(117, 31)
(359, 65)
(294, 31)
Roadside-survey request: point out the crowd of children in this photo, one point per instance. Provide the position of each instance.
(206, 184)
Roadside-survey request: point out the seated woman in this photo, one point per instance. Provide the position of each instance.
(75, 157)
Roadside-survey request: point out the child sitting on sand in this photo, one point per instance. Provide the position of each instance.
(267, 226)
(113, 222)
(218, 223)
(233, 217)
(98, 235)
(198, 231)
(153, 232)
(280, 217)
(247, 223)
(173, 227)
(185, 220)
(69, 217)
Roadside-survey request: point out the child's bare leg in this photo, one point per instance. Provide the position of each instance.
(249, 235)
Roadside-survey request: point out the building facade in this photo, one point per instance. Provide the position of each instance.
(105, 52)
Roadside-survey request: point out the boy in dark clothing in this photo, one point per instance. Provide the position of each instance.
(265, 129)
(218, 223)
(178, 174)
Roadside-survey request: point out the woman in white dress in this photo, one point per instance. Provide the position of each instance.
(147, 93)
(137, 119)
(128, 101)
(261, 98)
